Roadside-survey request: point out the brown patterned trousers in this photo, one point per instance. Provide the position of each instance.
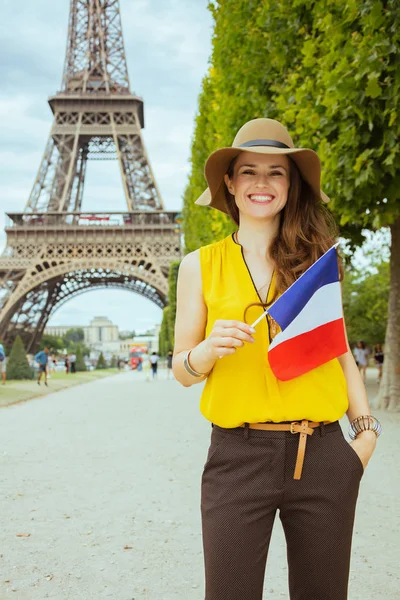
(247, 478)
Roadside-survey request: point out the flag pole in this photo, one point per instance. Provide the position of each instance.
(256, 322)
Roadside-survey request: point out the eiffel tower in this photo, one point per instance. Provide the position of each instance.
(54, 249)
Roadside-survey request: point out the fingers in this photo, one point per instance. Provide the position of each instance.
(235, 329)
(235, 324)
(227, 342)
(236, 333)
(223, 351)
(227, 336)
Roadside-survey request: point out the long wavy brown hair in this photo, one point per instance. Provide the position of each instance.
(306, 230)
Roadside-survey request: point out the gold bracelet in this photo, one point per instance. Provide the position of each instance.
(190, 369)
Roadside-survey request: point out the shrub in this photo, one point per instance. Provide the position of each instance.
(17, 363)
(101, 362)
(80, 364)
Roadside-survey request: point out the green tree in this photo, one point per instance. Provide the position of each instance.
(101, 362)
(344, 100)
(114, 362)
(167, 329)
(17, 363)
(80, 364)
(255, 44)
(72, 347)
(52, 342)
(163, 338)
(331, 73)
(75, 334)
(365, 303)
(171, 314)
(202, 226)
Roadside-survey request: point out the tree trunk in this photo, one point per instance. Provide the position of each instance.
(389, 392)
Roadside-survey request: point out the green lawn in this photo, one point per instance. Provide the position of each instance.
(18, 391)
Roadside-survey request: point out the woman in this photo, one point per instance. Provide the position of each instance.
(361, 355)
(379, 358)
(260, 424)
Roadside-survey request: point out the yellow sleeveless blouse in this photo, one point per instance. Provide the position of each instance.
(241, 387)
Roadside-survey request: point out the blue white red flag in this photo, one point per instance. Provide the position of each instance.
(310, 316)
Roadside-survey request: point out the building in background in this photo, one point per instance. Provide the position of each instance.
(101, 335)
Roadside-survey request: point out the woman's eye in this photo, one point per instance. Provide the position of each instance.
(248, 172)
(276, 173)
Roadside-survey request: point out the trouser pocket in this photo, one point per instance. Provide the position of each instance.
(352, 454)
(217, 439)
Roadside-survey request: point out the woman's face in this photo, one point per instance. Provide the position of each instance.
(260, 184)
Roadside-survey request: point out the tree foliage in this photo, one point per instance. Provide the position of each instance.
(72, 348)
(167, 330)
(365, 304)
(17, 363)
(75, 334)
(330, 71)
(344, 101)
(101, 362)
(164, 342)
(80, 364)
(171, 314)
(52, 342)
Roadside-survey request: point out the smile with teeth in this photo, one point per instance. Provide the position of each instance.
(261, 198)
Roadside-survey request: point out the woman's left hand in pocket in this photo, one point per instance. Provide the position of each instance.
(364, 446)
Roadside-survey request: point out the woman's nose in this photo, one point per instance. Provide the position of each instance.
(262, 180)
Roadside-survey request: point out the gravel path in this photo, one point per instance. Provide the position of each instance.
(105, 479)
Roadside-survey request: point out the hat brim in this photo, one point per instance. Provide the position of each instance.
(218, 163)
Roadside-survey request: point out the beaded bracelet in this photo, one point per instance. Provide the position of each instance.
(364, 423)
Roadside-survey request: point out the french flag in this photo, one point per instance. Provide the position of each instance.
(310, 315)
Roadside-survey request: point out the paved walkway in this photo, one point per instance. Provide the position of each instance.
(102, 483)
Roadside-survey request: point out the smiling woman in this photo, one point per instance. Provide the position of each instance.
(258, 181)
(257, 461)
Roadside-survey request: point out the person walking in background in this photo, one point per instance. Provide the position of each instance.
(73, 363)
(146, 367)
(42, 358)
(361, 355)
(379, 357)
(169, 363)
(53, 363)
(154, 364)
(3, 364)
(66, 363)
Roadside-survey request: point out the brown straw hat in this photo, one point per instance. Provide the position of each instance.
(261, 136)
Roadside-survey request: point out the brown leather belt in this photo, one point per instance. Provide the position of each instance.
(304, 428)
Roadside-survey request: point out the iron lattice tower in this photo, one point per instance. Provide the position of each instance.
(54, 250)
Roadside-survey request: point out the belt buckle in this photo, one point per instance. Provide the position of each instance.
(291, 427)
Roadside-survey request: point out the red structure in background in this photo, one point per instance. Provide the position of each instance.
(136, 353)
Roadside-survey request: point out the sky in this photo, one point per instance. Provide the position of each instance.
(168, 44)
